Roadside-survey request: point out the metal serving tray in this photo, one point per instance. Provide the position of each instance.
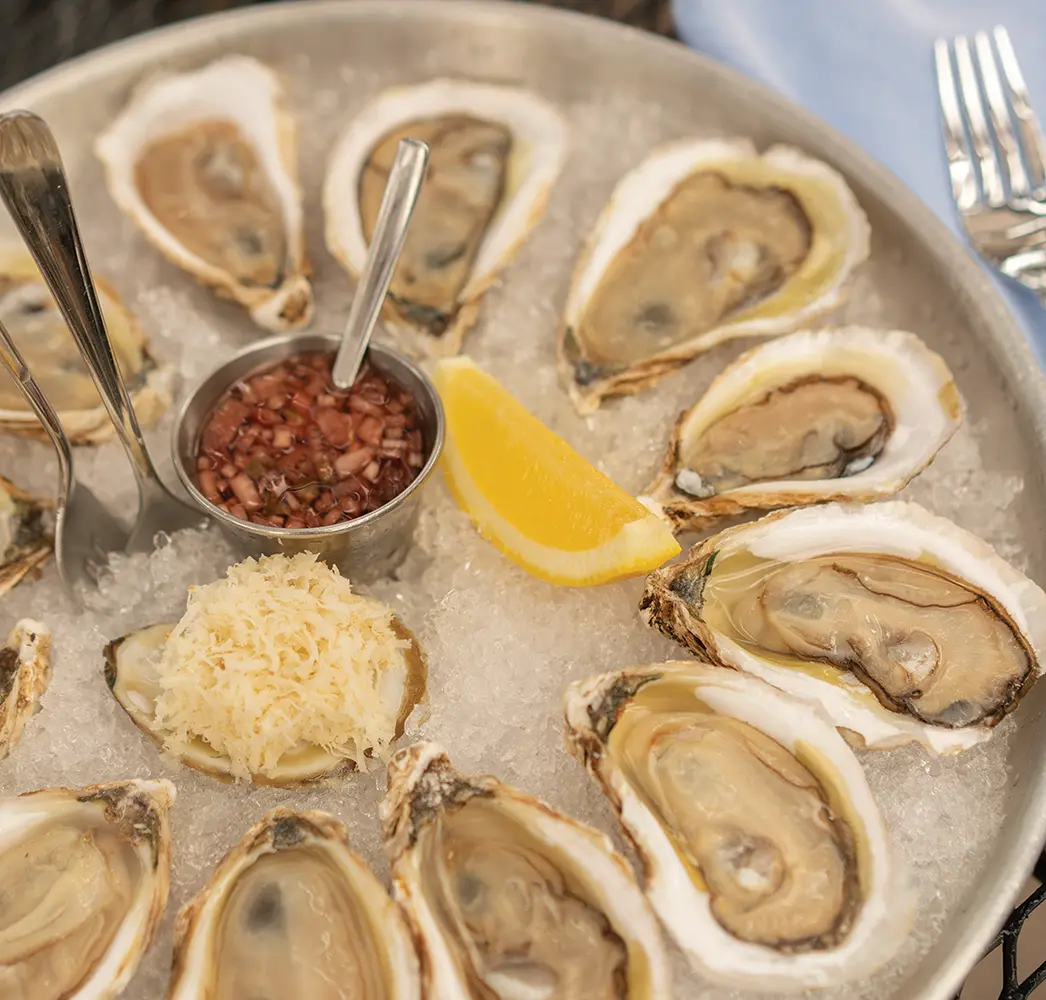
(935, 287)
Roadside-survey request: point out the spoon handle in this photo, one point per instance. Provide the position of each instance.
(397, 205)
(35, 190)
(12, 360)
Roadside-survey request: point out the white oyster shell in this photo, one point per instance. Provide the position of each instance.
(683, 903)
(242, 91)
(424, 788)
(676, 599)
(131, 673)
(129, 813)
(199, 930)
(915, 383)
(25, 672)
(837, 247)
(31, 316)
(539, 149)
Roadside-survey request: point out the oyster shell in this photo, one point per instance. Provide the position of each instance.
(30, 315)
(765, 854)
(292, 912)
(706, 240)
(495, 154)
(25, 672)
(130, 672)
(25, 540)
(852, 414)
(508, 898)
(205, 163)
(899, 623)
(84, 874)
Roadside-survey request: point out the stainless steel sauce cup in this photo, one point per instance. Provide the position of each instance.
(368, 547)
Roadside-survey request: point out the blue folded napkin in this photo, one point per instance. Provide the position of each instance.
(866, 67)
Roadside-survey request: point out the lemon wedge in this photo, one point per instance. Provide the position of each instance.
(532, 495)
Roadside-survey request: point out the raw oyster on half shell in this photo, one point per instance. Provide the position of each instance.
(31, 316)
(764, 852)
(25, 538)
(84, 874)
(291, 912)
(495, 154)
(899, 623)
(205, 163)
(510, 899)
(25, 672)
(852, 414)
(706, 240)
(131, 671)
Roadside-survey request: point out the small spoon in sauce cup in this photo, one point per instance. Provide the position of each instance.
(287, 458)
(390, 232)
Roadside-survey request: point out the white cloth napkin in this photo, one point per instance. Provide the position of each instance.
(866, 67)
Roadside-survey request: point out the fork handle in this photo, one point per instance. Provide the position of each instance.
(34, 187)
(12, 360)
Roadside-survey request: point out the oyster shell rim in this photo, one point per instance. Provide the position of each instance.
(881, 924)
(442, 95)
(699, 154)
(32, 555)
(399, 830)
(30, 640)
(151, 799)
(327, 765)
(696, 514)
(849, 703)
(291, 305)
(193, 920)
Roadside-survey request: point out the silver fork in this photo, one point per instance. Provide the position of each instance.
(995, 159)
(85, 532)
(34, 187)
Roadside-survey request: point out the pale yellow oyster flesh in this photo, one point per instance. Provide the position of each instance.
(901, 624)
(813, 416)
(205, 164)
(84, 875)
(704, 241)
(26, 541)
(30, 315)
(131, 671)
(25, 672)
(465, 184)
(762, 848)
(507, 897)
(748, 815)
(292, 912)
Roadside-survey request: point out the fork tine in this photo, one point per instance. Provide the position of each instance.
(960, 157)
(1014, 175)
(1027, 122)
(984, 152)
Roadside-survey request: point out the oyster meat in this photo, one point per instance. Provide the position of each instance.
(902, 625)
(292, 912)
(84, 875)
(704, 241)
(495, 154)
(205, 163)
(131, 671)
(25, 539)
(510, 899)
(765, 855)
(852, 414)
(30, 315)
(25, 672)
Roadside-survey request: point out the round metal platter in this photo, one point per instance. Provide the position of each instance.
(622, 91)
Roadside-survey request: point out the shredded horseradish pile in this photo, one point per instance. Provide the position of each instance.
(279, 654)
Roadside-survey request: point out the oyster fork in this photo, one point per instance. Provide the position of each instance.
(35, 189)
(995, 160)
(85, 532)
